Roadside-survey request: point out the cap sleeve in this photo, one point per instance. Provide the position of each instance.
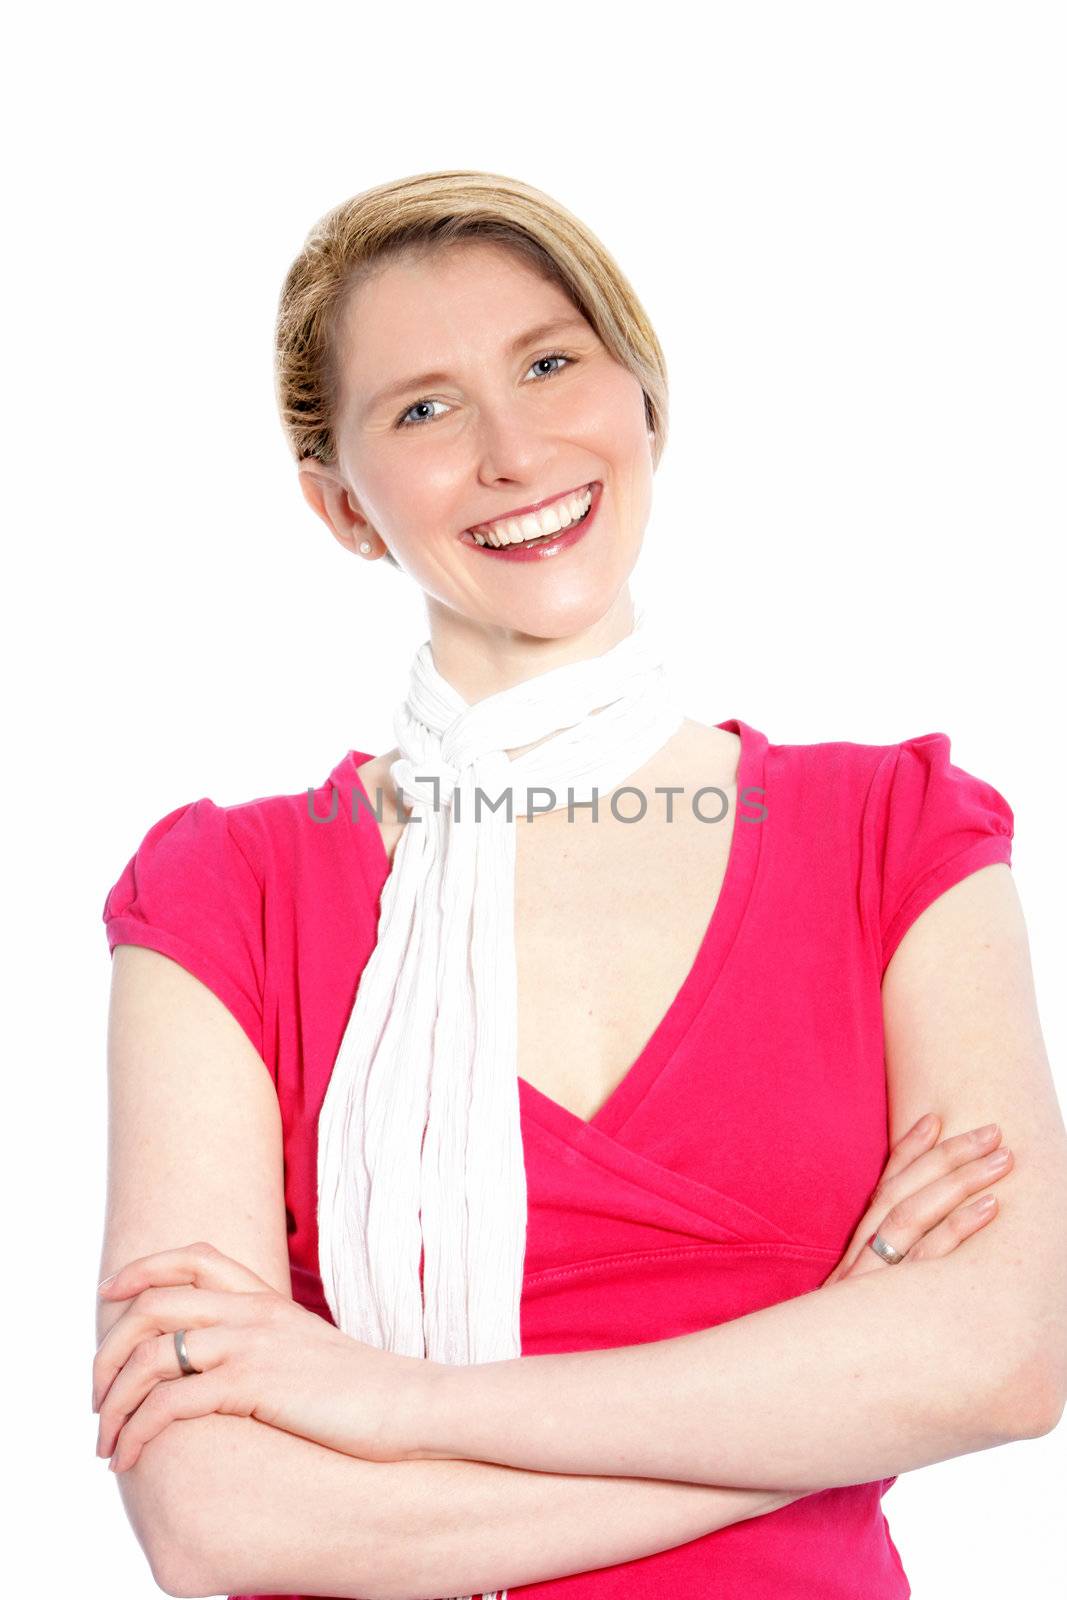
(191, 893)
(941, 824)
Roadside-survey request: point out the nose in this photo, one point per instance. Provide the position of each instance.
(510, 446)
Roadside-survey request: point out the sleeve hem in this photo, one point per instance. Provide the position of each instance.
(982, 853)
(127, 930)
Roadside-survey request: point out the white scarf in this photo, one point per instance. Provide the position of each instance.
(419, 1140)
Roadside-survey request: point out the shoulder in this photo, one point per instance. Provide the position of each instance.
(238, 846)
(218, 887)
(831, 756)
(269, 828)
(917, 764)
(897, 793)
(919, 790)
(826, 782)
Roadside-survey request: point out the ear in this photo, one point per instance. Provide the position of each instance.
(329, 498)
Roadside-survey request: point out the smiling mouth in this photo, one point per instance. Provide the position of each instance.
(549, 519)
(534, 546)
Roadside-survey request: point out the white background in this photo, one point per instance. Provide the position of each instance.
(846, 223)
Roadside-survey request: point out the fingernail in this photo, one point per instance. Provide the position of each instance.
(987, 1202)
(924, 1124)
(105, 1281)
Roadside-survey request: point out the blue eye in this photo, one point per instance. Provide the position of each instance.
(402, 422)
(556, 357)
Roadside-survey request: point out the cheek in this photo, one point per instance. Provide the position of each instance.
(425, 497)
(610, 416)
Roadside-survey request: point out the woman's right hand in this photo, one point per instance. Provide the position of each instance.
(923, 1203)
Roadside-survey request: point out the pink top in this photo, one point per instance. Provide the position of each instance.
(730, 1166)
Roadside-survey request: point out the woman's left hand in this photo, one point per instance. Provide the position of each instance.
(259, 1355)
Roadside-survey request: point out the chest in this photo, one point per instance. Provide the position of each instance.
(609, 918)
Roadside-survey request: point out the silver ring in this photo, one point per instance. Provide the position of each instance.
(183, 1354)
(883, 1248)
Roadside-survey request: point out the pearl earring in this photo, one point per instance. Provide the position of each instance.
(365, 547)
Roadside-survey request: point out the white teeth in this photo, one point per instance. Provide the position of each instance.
(550, 519)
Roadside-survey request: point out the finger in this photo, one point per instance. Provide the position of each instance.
(198, 1263)
(962, 1147)
(156, 1311)
(867, 1259)
(957, 1226)
(897, 1183)
(943, 1160)
(928, 1164)
(155, 1361)
(169, 1401)
(914, 1143)
(915, 1215)
(908, 1222)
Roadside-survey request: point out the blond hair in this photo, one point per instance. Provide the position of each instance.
(429, 212)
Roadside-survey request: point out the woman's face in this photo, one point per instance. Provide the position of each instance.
(509, 418)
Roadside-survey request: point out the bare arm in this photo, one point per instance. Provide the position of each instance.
(864, 1379)
(875, 1375)
(225, 1504)
(277, 1514)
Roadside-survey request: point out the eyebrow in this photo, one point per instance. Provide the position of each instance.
(403, 386)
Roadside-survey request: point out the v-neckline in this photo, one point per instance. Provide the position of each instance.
(719, 935)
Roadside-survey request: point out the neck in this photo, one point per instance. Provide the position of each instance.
(479, 658)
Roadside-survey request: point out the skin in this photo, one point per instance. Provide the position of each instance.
(503, 438)
(497, 436)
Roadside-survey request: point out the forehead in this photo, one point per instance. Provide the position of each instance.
(470, 276)
(438, 309)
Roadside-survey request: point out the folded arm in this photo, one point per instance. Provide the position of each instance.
(868, 1378)
(278, 1514)
(228, 1505)
(874, 1375)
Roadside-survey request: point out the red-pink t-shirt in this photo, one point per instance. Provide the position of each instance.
(729, 1168)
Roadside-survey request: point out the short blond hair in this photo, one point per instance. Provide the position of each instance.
(425, 213)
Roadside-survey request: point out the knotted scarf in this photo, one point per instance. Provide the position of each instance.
(421, 1178)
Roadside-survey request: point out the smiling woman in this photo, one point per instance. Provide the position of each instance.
(570, 1129)
(512, 310)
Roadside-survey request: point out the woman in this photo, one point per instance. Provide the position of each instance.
(546, 1077)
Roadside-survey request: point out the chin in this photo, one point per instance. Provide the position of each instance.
(566, 615)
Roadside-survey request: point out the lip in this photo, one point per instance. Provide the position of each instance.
(522, 511)
(558, 543)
